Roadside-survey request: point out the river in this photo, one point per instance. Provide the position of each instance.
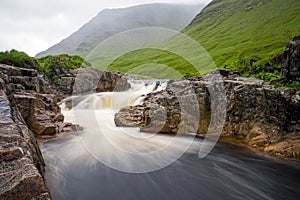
(106, 162)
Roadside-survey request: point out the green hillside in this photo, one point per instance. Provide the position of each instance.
(244, 34)
(162, 62)
(241, 34)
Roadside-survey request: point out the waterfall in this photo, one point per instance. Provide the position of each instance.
(124, 149)
(117, 100)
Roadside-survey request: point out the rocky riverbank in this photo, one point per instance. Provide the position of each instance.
(23, 105)
(29, 110)
(261, 115)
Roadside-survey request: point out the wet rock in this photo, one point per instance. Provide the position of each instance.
(129, 117)
(259, 114)
(59, 118)
(89, 80)
(34, 98)
(112, 81)
(40, 112)
(289, 147)
(28, 108)
(7, 154)
(21, 163)
(68, 127)
(174, 110)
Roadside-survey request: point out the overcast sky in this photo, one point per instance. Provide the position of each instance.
(35, 25)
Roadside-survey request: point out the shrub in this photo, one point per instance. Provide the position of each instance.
(18, 59)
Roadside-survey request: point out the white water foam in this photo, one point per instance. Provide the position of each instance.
(124, 149)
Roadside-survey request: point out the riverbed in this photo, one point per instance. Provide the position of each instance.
(103, 161)
(228, 172)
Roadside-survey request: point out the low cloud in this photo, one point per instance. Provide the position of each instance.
(34, 25)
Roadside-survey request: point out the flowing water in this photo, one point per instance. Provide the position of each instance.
(106, 162)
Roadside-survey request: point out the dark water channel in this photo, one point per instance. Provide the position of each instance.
(228, 172)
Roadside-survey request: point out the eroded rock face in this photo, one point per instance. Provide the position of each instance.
(34, 98)
(290, 61)
(264, 116)
(112, 81)
(130, 117)
(21, 162)
(89, 79)
(28, 109)
(291, 67)
(37, 100)
(41, 110)
(261, 115)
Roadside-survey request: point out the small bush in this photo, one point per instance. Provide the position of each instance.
(57, 66)
(266, 76)
(18, 59)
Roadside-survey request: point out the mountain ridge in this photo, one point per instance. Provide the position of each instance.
(112, 21)
(245, 35)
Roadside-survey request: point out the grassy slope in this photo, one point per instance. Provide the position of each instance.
(153, 63)
(234, 32)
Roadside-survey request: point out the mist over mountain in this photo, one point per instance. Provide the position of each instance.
(112, 21)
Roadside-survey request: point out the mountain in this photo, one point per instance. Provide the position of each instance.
(112, 21)
(246, 34)
(243, 34)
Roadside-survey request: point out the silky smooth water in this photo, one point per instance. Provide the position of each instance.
(106, 162)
